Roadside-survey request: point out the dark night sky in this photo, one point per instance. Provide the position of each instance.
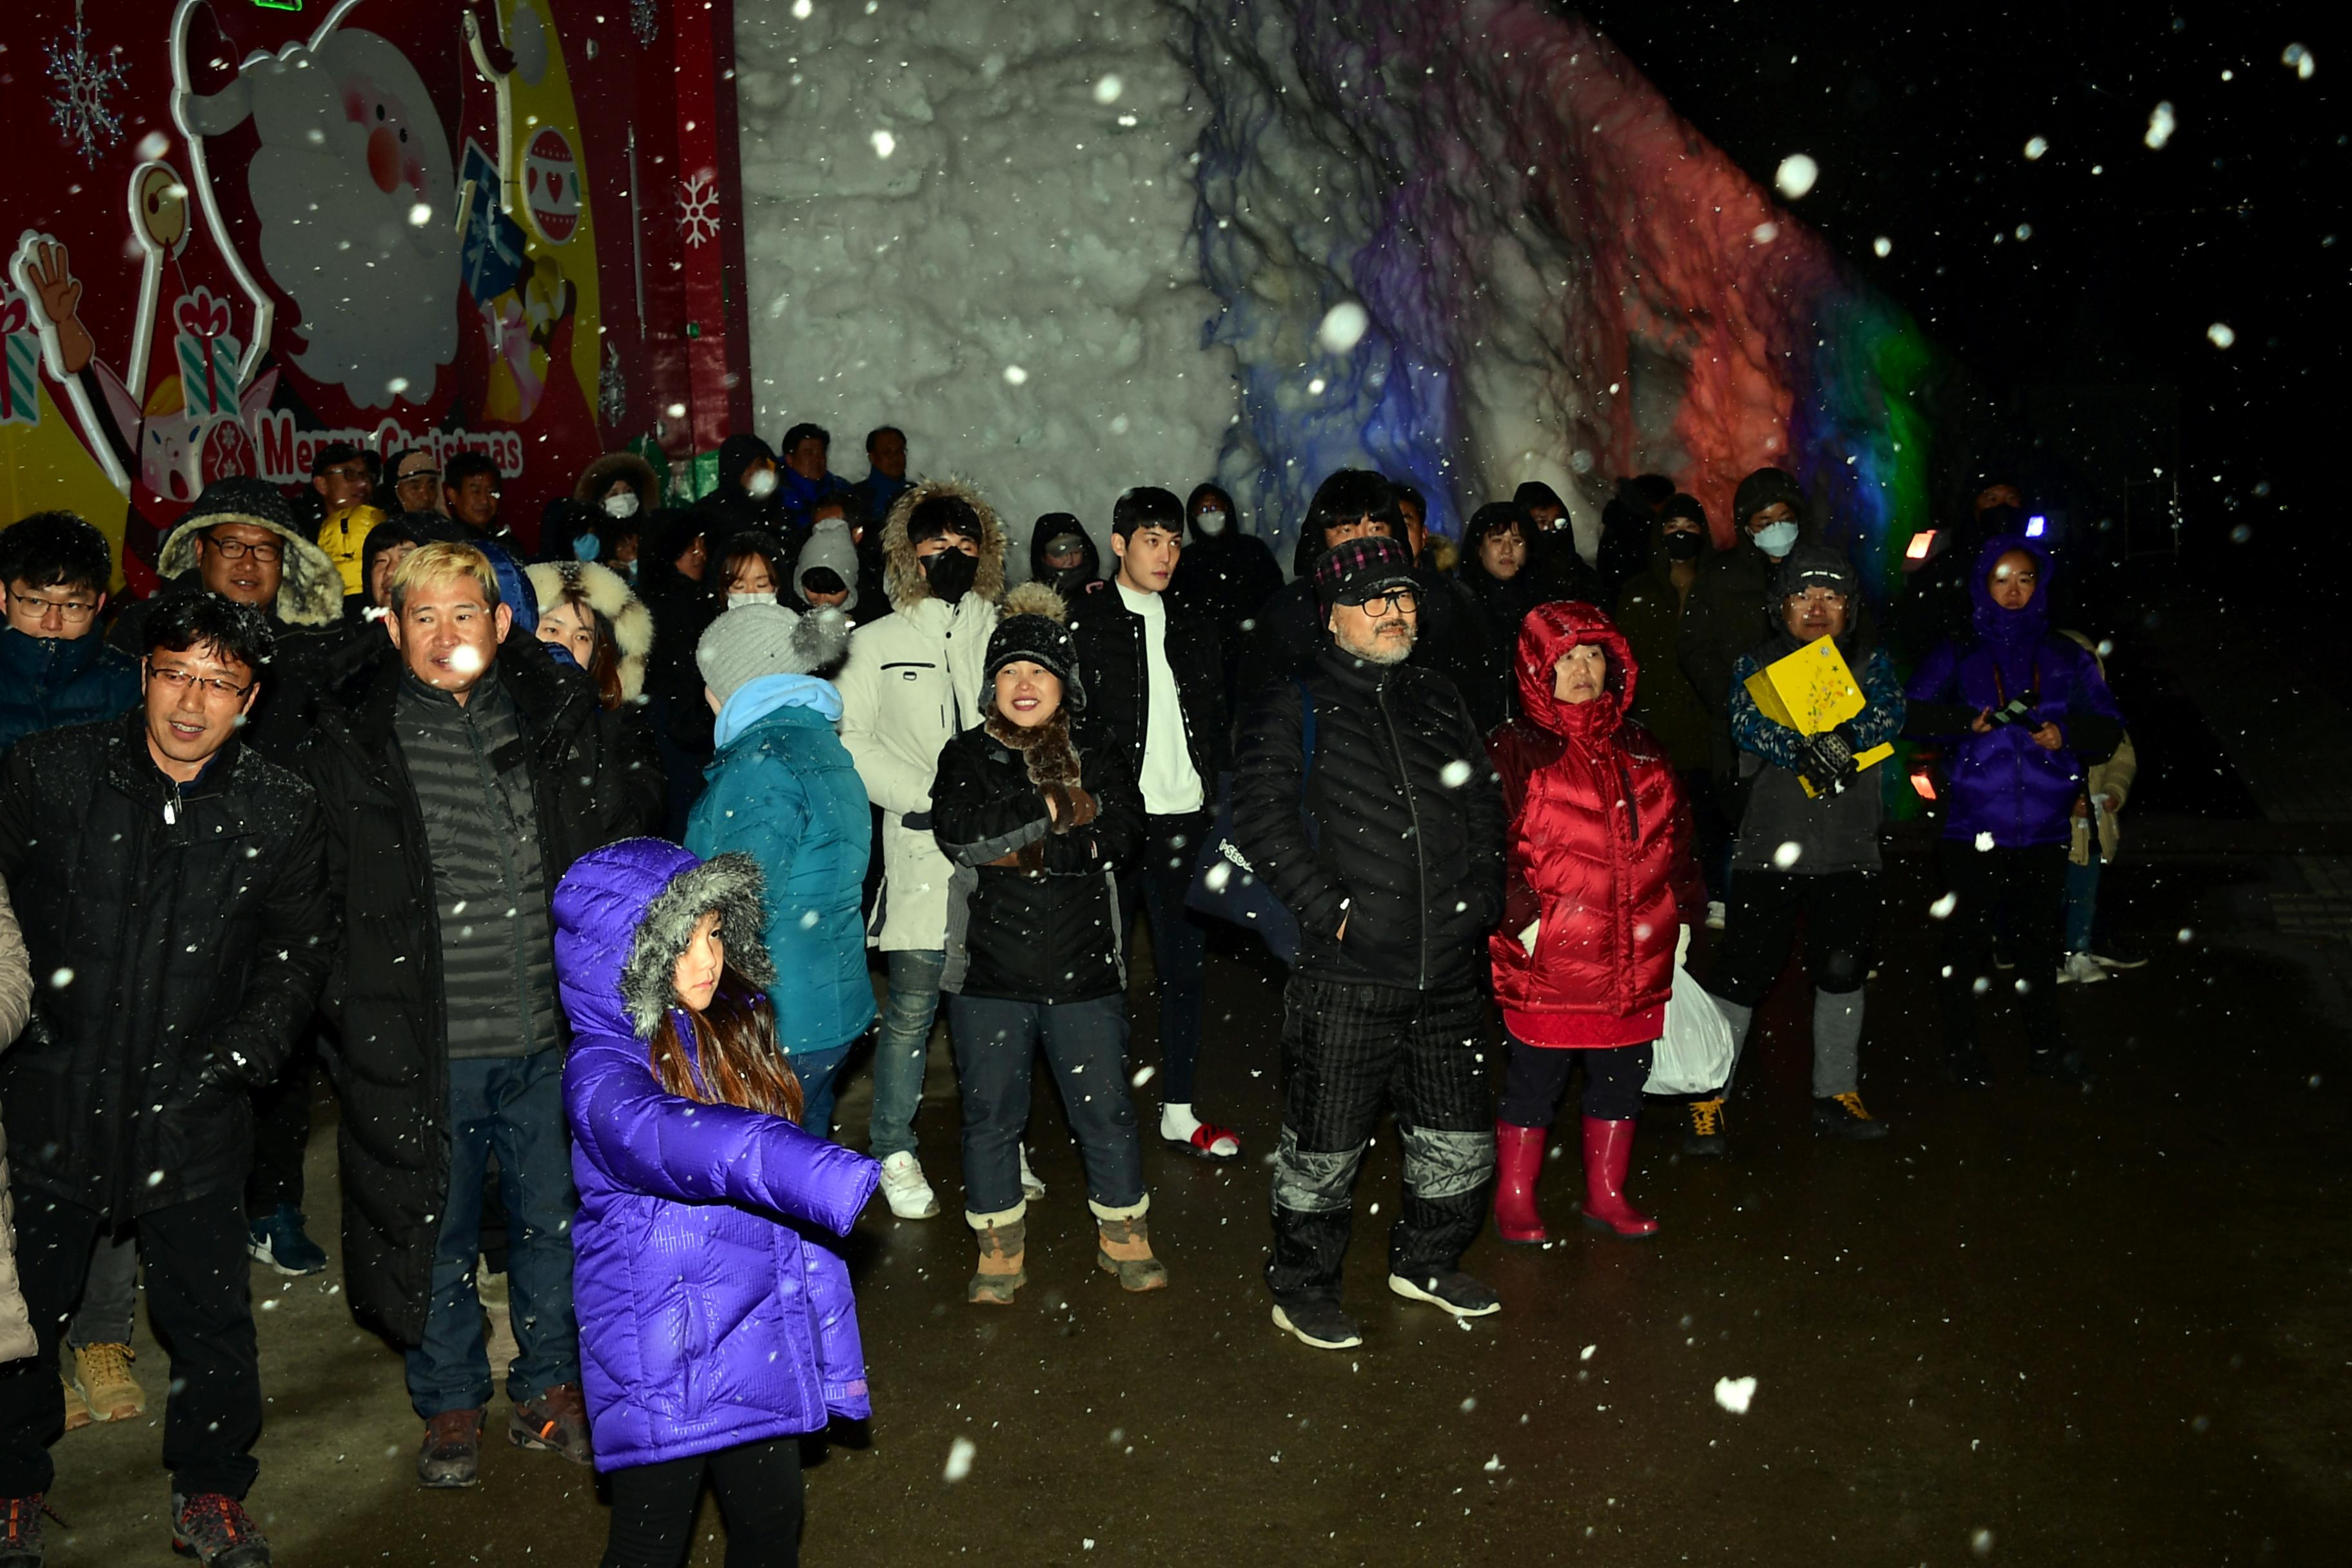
(1920, 118)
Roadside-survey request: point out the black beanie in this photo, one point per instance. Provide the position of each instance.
(1031, 630)
(1760, 490)
(240, 499)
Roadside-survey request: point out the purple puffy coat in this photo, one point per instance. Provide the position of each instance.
(713, 1311)
(2001, 782)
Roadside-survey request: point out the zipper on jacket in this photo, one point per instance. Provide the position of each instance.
(1412, 810)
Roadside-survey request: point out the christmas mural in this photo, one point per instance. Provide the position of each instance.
(240, 229)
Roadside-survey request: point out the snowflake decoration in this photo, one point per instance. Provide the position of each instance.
(84, 84)
(612, 393)
(645, 19)
(699, 209)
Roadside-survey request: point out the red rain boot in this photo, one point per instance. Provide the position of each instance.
(1519, 1161)
(1608, 1151)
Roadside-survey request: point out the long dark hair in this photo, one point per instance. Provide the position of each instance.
(736, 1059)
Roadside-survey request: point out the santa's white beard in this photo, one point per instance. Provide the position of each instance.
(378, 294)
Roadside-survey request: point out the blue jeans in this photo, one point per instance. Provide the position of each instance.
(513, 1106)
(1086, 1044)
(818, 1072)
(901, 1049)
(2081, 902)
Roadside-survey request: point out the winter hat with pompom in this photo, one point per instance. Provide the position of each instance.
(752, 640)
(1032, 629)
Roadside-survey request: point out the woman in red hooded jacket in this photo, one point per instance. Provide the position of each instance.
(1600, 882)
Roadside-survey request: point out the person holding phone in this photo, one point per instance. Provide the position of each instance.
(2021, 713)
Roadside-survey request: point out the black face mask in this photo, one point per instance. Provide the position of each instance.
(1069, 582)
(1685, 546)
(951, 573)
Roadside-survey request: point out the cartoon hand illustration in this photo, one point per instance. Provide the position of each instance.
(50, 273)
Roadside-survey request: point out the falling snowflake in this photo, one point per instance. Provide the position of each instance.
(645, 19)
(84, 84)
(699, 209)
(611, 391)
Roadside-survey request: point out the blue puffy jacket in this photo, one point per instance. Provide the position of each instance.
(785, 791)
(2002, 781)
(45, 682)
(712, 1312)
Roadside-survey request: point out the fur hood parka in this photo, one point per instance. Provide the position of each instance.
(713, 1309)
(607, 593)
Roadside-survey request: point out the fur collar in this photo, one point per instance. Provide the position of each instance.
(309, 585)
(903, 577)
(728, 883)
(607, 593)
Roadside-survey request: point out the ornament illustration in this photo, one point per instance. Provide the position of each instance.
(699, 209)
(85, 86)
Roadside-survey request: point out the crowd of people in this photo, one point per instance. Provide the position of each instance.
(566, 865)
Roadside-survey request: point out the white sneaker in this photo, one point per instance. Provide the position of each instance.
(903, 1187)
(1714, 914)
(1031, 1187)
(2081, 966)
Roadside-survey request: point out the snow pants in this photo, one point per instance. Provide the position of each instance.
(1347, 1051)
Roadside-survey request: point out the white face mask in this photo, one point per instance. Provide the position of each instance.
(737, 601)
(761, 485)
(621, 505)
(1209, 523)
(1777, 539)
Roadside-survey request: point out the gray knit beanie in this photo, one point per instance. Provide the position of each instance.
(753, 640)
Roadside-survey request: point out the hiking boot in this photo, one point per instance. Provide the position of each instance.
(1124, 1248)
(451, 1454)
(20, 1531)
(904, 1189)
(1842, 1116)
(279, 1240)
(1450, 1290)
(77, 1413)
(104, 1373)
(1704, 1136)
(556, 1421)
(1319, 1323)
(212, 1527)
(1003, 1247)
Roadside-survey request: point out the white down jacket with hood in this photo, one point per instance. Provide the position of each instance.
(912, 683)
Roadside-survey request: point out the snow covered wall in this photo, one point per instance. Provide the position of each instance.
(974, 220)
(1071, 248)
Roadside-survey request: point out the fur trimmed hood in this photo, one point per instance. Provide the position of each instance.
(310, 585)
(607, 593)
(624, 913)
(904, 578)
(598, 476)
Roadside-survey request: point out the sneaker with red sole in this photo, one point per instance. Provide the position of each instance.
(213, 1527)
(556, 1421)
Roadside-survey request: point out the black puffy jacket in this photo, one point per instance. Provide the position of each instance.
(175, 960)
(1408, 846)
(1112, 655)
(1046, 929)
(390, 1059)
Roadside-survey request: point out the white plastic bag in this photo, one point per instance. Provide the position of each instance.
(1694, 1056)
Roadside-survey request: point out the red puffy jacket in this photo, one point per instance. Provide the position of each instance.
(1599, 841)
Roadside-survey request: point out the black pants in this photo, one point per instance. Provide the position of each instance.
(197, 1299)
(1346, 1051)
(759, 1491)
(281, 1133)
(1710, 830)
(1536, 1076)
(1155, 884)
(2024, 893)
(1838, 909)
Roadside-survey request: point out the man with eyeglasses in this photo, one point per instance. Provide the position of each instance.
(340, 478)
(1289, 635)
(54, 667)
(171, 887)
(1363, 795)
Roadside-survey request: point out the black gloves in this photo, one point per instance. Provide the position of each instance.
(1829, 763)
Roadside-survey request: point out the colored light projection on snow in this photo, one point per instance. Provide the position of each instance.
(1563, 280)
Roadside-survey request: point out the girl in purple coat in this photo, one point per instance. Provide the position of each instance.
(2021, 714)
(716, 1320)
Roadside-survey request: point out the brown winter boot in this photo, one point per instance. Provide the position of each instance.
(1125, 1248)
(1004, 1242)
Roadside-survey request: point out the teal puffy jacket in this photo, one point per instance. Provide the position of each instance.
(785, 793)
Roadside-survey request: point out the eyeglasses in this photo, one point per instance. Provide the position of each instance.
(237, 549)
(350, 471)
(1823, 597)
(1403, 601)
(212, 687)
(71, 611)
